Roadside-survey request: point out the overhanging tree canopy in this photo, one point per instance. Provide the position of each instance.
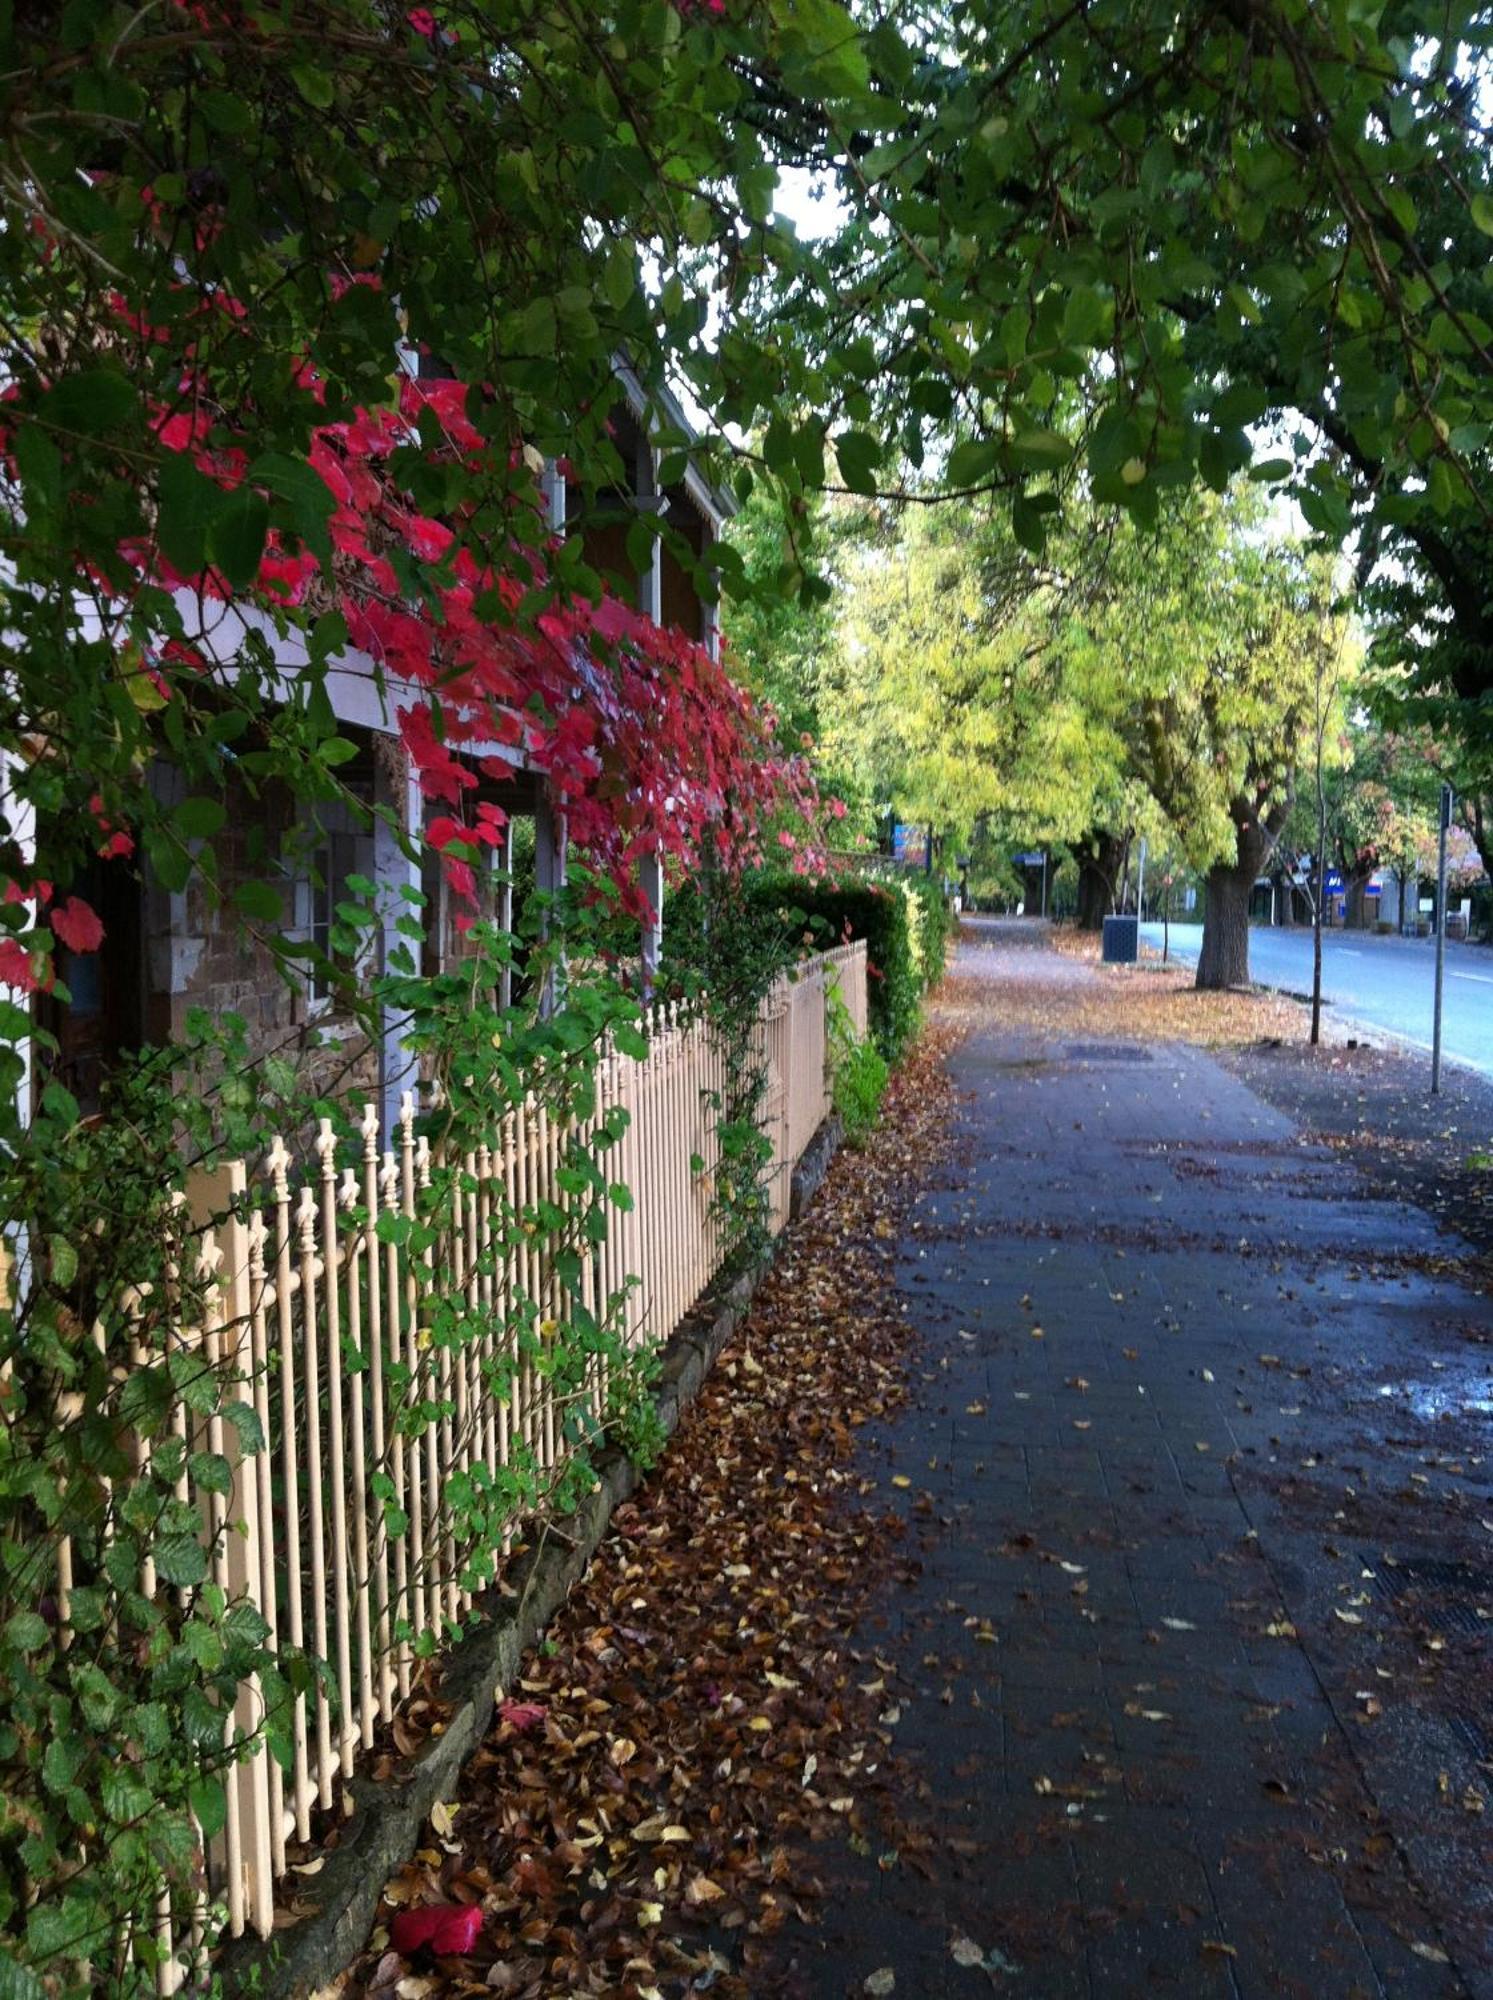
(1120, 233)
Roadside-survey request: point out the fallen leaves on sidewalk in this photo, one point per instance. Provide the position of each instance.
(637, 1822)
(1149, 1002)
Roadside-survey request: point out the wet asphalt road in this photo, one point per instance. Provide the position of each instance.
(1380, 982)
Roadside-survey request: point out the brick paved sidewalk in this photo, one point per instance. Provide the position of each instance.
(1171, 1720)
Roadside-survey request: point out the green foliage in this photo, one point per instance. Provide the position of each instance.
(722, 951)
(1134, 675)
(632, 1419)
(815, 916)
(118, 1731)
(860, 1075)
(932, 925)
(1272, 245)
(1155, 681)
(111, 1740)
(942, 698)
(1083, 250)
(822, 914)
(780, 633)
(1293, 269)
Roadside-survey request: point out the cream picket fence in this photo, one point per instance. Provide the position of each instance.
(297, 1278)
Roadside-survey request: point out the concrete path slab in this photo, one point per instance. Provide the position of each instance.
(1170, 1714)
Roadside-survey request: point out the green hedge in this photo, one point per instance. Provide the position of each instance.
(935, 924)
(818, 915)
(905, 927)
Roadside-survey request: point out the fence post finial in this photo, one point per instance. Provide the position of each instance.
(209, 1258)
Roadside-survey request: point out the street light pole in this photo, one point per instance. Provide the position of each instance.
(1446, 820)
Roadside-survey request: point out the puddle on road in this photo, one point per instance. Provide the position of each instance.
(1447, 1395)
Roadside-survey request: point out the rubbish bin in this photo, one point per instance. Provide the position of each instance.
(1456, 924)
(1121, 940)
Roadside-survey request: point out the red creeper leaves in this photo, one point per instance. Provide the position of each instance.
(645, 741)
(76, 924)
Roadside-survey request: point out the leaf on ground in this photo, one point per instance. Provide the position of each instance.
(700, 1713)
(522, 1715)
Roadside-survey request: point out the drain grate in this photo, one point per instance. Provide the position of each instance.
(1452, 1597)
(1471, 1734)
(1129, 1052)
(1447, 1596)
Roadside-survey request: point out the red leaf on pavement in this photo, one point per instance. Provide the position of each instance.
(449, 1929)
(522, 1715)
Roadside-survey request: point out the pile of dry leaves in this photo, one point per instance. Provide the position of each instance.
(1149, 1002)
(638, 1820)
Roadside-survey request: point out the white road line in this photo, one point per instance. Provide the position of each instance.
(1481, 978)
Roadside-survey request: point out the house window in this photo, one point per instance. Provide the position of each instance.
(330, 862)
(326, 886)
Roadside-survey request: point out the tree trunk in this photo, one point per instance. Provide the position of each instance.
(1093, 895)
(1480, 825)
(1224, 958)
(1098, 861)
(1355, 902)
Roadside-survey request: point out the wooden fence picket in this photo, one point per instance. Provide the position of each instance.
(323, 1298)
